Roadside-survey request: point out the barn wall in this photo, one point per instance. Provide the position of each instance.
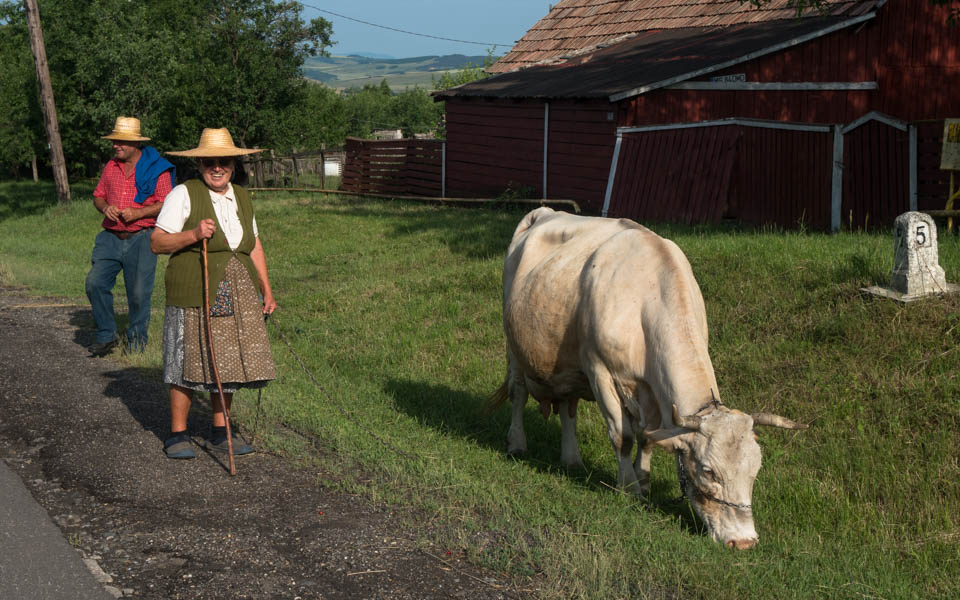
(909, 50)
(756, 175)
(680, 175)
(493, 146)
(783, 178)
(876, 176)
(496, 145)
(580, 147)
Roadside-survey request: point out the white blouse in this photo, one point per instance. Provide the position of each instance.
(176, 210)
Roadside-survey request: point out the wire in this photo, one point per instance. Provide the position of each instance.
(435, 37)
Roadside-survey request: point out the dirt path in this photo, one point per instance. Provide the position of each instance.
(85, 434)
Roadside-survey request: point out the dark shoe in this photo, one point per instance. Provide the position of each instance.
(102, 348)
(179, 446)
(219, 444)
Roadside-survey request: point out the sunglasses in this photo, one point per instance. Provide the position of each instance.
(209, 163)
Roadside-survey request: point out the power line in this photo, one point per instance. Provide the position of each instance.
(435, 37)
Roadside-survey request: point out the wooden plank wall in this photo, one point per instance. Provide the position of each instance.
(783, 178)
(933, 184)
(876, 176)
(679, 175)
(580, 148)
(493, 146)
(406, 167)
(910, 50)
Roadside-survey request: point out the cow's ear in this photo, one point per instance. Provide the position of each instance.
(674, 440)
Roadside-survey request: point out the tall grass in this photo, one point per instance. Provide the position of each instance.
(394, 308)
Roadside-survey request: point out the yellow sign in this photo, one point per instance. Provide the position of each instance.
(950, 156)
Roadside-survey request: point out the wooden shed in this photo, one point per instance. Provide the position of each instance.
(699, 111)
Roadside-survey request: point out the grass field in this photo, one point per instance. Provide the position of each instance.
(394, 309)
(343, 72)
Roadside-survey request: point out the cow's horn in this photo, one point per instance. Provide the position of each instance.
(772, 420)
(691, 422)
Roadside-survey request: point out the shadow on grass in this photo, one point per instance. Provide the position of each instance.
(474, 233)
(464, 415)
(25, 198)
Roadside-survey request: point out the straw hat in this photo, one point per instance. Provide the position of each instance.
(215, 142)
(126, 129)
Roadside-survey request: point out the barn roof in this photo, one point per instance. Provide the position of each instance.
(654, 59)
(574, 27)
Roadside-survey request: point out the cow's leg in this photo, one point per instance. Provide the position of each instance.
(618, 427)
(641, 465)
(517, 392)
(569, 449)
(643, 398)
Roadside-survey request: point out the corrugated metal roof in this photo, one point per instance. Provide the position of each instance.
(650, 60)
(574, 27)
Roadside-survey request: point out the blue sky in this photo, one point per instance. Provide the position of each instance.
(500, 22)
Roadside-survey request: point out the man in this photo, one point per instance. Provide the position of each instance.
(130, 195)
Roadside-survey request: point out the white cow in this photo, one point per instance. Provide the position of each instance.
(606, 310)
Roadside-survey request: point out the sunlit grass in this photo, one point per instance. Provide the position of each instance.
(394, 309)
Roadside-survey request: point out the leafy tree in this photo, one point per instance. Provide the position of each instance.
(178, 66)
(466, 74)
(21, 124)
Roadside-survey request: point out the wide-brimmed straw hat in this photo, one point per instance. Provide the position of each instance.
(215, 142)
(126, 129)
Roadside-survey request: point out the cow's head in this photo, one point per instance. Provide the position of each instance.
(717, 462)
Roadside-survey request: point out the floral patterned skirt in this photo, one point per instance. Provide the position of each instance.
(240, 341)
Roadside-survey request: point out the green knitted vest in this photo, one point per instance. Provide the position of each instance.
(184, 276)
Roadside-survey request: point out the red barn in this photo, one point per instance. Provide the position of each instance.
(702, 110)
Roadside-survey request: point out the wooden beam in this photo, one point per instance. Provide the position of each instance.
(775, 86)
(47, 104)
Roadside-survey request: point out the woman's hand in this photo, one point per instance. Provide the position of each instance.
(205, 230)
(269, 304)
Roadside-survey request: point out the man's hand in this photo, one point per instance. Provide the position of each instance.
(131, 214)
(111, 212)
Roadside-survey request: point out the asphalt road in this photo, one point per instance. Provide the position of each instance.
(84, 436)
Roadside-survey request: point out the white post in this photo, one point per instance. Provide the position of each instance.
(913, 167)
(546, 135)
(613, 173)
(836, 192)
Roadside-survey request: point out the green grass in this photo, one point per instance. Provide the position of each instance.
(394, 307)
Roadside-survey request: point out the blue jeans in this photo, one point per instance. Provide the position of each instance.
(139, 264)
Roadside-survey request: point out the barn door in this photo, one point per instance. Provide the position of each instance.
(676, 174)
(876, 173)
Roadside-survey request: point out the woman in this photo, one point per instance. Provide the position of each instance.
(214, 209)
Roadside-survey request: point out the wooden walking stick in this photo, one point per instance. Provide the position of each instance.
(213, 359)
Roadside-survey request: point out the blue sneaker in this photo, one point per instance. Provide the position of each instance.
(179, 445)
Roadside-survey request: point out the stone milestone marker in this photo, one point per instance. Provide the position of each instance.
(916, 263)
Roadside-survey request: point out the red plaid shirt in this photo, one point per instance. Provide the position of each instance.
(120, 189)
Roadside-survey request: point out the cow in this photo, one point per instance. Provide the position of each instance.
(606, 310)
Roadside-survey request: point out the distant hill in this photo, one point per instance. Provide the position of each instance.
(342, 72)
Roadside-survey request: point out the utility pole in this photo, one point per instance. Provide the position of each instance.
(46, 101)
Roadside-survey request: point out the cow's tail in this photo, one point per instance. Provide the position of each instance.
(497, 398)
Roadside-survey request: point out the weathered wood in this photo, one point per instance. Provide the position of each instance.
(47, 103)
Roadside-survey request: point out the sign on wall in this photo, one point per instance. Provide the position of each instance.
(950, 156)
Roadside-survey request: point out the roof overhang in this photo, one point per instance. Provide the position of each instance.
(656, 59)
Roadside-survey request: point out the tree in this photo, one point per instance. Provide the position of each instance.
(465, 74)
(178, 66)
(21, 123)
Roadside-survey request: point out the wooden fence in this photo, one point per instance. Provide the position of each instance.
(300, 169)
(403, 167)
